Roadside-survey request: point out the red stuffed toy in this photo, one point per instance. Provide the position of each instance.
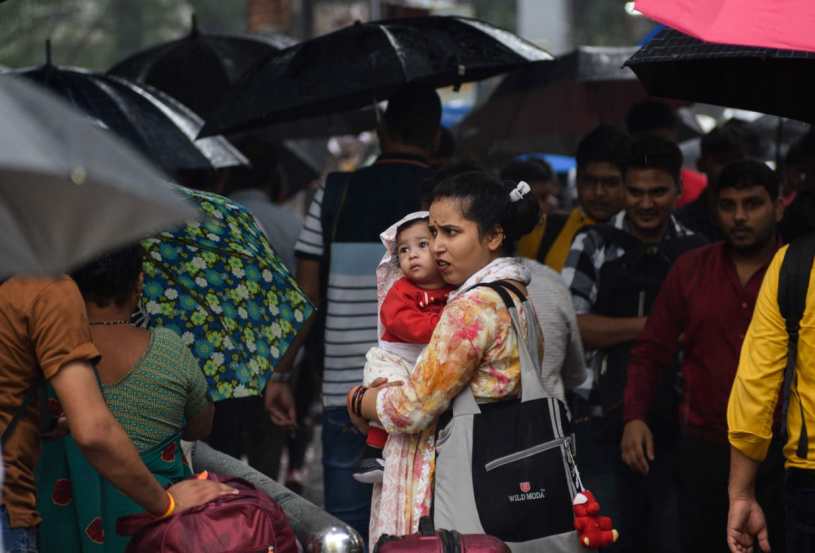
(593, 530)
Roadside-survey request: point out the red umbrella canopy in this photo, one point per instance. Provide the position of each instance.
(784, 24)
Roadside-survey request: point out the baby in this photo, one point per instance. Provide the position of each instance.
(408, 315)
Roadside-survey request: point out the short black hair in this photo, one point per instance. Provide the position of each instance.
(413, 116)
(406, 225)
(485, 200)
(746, 173)
(732, 140)
(605, 144)
(655, 152)
(650, 116)
(112, 277)
(529, 170)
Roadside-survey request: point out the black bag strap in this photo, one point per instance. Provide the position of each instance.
(555, 223)
(793, 286)
(336, 190)
(503, 289)
(29, 397)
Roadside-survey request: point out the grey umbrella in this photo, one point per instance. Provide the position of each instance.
(154, 123)
(70, 190)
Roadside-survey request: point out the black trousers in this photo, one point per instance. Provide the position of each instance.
(243, 427)
(703, 472)
(799, 495)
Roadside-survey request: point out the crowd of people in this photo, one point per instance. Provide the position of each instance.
(649, 320)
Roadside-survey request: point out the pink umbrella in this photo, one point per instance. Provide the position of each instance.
(784, 24)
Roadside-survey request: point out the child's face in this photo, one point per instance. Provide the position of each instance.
(415, 258)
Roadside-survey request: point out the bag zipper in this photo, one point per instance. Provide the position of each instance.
(524, 453)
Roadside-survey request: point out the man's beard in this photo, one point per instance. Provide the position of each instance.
(761, 241)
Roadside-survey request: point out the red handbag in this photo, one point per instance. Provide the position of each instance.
(249, 521)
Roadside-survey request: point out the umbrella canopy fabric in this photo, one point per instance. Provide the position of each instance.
(367, 62)
(69, 190)
(199, 68)
(223, 289)
(781, 24)
(550, 107)
(771, 81)
(154, 123)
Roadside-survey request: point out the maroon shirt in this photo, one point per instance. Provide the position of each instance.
(702, 299)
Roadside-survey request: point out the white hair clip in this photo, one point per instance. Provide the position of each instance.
(519, 192)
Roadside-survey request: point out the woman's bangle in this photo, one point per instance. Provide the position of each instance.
(357, 403)
(170, 508)
(354, 399)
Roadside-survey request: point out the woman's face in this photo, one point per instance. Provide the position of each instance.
(459, 250)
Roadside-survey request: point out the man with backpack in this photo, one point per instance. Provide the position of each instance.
(614, 272)
(338, 252)
(704, 308)
(777, 356)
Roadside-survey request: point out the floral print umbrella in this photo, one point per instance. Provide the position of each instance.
(220, 285)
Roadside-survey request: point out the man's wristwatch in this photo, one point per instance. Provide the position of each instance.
(280, 376)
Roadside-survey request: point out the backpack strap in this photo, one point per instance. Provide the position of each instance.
(793, 286)
(30, 395)
(555, 222)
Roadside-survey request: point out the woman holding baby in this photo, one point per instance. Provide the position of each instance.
(473, 224)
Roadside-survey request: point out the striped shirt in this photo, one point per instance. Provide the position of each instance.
(589, 253)
(376, 197)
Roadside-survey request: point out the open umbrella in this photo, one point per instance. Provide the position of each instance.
(69, 190)
(367, 62)
(781, 24)
(152, 122)
(551, 106)
(198, 68)
(220, 285)
(675, 65)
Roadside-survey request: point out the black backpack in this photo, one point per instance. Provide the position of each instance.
(793, 286)
(628, 287)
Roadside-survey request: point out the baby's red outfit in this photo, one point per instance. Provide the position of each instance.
(409, 315)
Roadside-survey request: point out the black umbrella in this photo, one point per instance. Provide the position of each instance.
(772, 81)
(154, 123)
(367, 62)
(198, 68)
(549, 107)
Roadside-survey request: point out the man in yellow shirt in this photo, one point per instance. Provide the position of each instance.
(750, 417)
(601, 156)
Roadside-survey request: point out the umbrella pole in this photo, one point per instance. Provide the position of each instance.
(779, 139)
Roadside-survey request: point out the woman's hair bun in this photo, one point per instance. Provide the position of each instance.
(521, 215)
(486, 201)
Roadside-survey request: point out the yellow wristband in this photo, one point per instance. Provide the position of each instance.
(170, 508)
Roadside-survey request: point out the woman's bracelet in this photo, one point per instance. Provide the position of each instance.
(356, 403)
(170, 508)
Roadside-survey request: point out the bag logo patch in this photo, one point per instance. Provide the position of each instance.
(527, 494)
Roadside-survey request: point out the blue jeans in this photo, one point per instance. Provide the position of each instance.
(345, 498)
(17, 540)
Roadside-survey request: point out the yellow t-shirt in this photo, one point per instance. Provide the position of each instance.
(757, 387)
(557, 254)
(529, 245)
